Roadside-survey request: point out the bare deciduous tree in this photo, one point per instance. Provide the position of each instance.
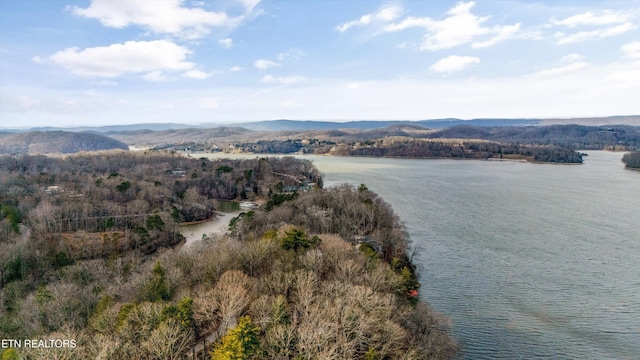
(232, 294)
(168, 342)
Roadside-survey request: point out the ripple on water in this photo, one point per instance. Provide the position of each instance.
(529, 260)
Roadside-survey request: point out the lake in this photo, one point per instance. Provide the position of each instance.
(226, 210)
(529, 260)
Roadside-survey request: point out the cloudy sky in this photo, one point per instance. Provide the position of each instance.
(99, 62)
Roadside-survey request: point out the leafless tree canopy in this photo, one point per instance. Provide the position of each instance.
(122, 289)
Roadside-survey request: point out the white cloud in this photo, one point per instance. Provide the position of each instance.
(407, 45)
(572, 58)
(285, 80)
(458, 28)
(605, 24)
(502, 33)
(389, 13)
(607, 17)
(385, 14)
(105, 83)
(624, 75)
(130, 57)
(249, 5)
(561, 70)
(11, 102)
(236, 68)
(226, 43)
(265, 64)
(363, 20)
(290, 104)
(409, 22)
(593, 91)
(196, 74)
(155, 76)
(594, 34)
(453, 63)
(7, 51)
(570, 95)
(291, 53)
(631, 50)
(160, 16)
(208, 103)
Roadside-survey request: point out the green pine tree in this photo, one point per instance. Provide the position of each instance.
(239, 343)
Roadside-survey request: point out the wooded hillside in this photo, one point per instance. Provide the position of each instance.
(90, 251)
(56, 142)
(568, 136)
(632, 160)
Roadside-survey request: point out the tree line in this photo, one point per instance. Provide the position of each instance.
(632, 160)
(552, 143)
(56, 142)
(417, 148)
(566, 136)
(89, 206)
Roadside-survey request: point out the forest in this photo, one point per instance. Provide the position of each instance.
(572, 137)
(418, 148)
(632, 160)
(623, 137)
(55, 142)
(91, 251)
(552, 143)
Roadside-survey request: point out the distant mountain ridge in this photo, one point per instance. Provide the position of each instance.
(149, 137)
(109, 128)
(296, 125)
(278, 125)
(55, 142)
(570, 136)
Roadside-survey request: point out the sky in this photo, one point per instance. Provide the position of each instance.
(106, 62)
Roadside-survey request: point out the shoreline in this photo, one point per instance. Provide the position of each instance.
(521, 160)
(189, 223)
(194, 232)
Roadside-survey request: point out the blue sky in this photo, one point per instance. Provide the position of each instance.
(101, 62)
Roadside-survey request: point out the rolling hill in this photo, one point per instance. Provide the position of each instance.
(55, 142)
(304, 125)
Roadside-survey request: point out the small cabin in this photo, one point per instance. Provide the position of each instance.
(179, 173)
(249, 205)
(53, 190)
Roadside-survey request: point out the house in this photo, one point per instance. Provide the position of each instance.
(179, 173)
(249, 205)
(306, 186)
(54, 190)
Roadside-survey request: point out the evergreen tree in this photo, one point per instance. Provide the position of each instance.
(157, 288)
(239, 343)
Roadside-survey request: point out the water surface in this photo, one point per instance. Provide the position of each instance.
(529, 260)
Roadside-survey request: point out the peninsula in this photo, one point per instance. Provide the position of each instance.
(90, 253)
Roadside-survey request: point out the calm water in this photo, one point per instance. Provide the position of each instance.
(226, 210)
(529, 260)
(218, 225)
